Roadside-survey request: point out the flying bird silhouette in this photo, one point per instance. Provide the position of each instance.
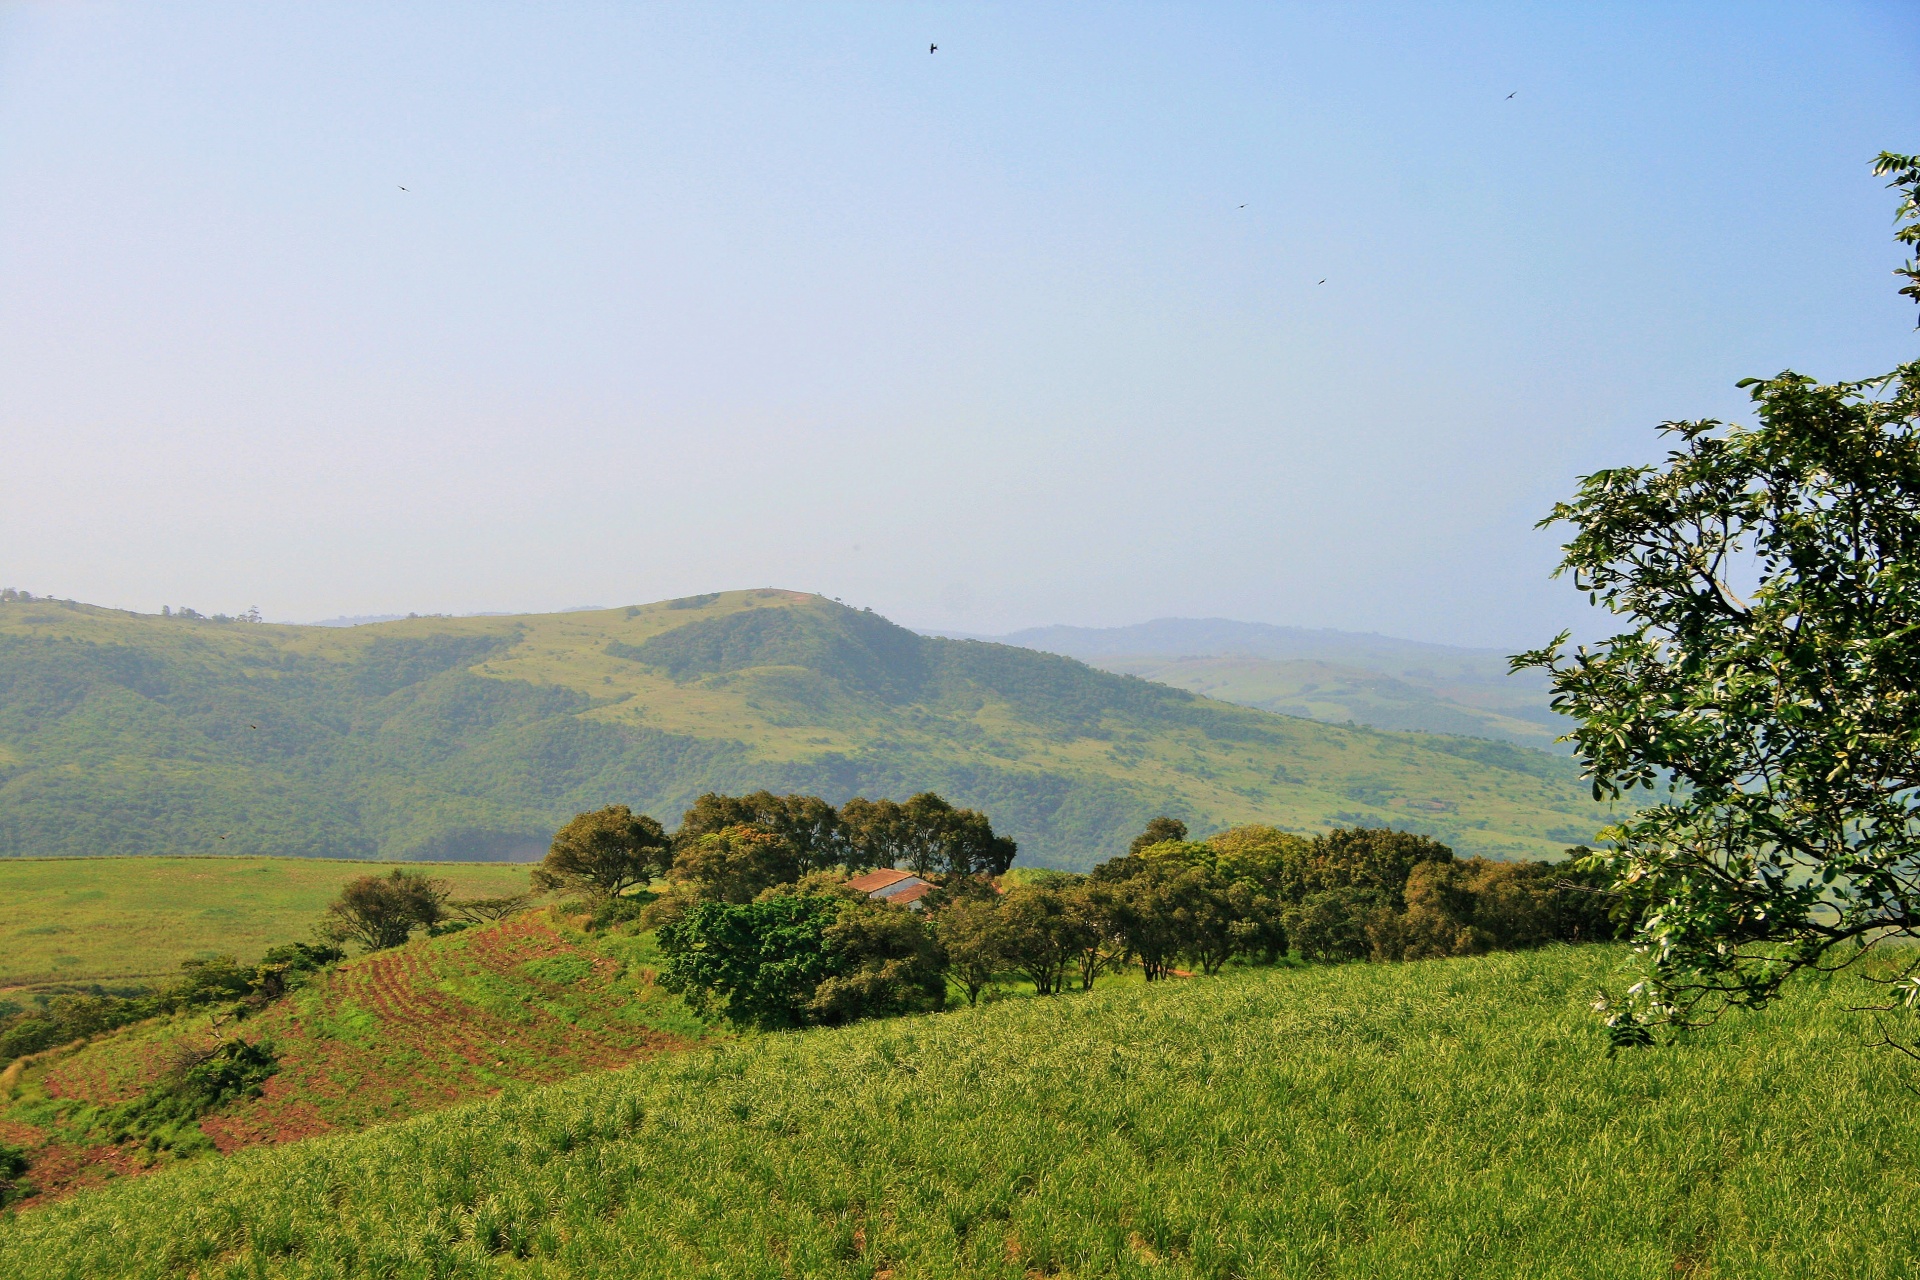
(408, 192)
(932, 48)
(1510, 96)
(1243, 206)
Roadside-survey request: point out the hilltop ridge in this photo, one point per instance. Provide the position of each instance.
(1322, 674)
(474, 737)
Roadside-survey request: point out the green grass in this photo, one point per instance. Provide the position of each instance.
(450, 738)
(1452, 1118)
(79, 920)
(380, 1038)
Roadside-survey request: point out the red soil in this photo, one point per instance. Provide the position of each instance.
(428, 1047)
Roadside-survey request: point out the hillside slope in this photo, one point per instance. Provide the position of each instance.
(1335, 676)
(474, 737)
(381, 1037)
(1433, 1119)
(87, 920)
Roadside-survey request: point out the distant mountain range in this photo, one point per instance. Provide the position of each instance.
(475, 737)
(1334, 676)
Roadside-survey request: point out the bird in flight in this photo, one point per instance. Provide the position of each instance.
(404, 189)
(932, 48)
(1510, 96)
(1323, 282)
(1243, 206)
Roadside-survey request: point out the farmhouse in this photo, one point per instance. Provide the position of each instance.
(902, 888)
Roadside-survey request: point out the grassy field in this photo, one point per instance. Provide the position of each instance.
(1437, 1119)
(383, 1037)
(456, 738)
(78, 920)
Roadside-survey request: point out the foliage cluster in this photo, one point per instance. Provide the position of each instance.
(1346, 1122)
(800, 958)
(1768, 681)
(13, 1168)
(1257, 893)
(164, 1118)
(752, 927)
(730, 849)
(52, 1020)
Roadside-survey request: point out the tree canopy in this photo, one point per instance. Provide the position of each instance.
(604, 853)
(383, 911)
(1767, 683)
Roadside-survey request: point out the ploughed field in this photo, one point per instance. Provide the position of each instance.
(379, 1038)
(85, 920)
(1439, 1118)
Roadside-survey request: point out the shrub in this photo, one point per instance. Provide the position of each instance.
(383, 911)
(165, 1117)
(13, 1165)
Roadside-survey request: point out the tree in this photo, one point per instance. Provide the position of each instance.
(487, 910)
(885, 962)
(877, 833)
(1331, 924)
(1768, 682)
(1044, 934)
(760, 961)
(793, 959)
(969, 929)
(383, 911)
(927, 834)
(1258, 862)
(809, 825)
(1159, 831)
(604, 853)
(735, 864)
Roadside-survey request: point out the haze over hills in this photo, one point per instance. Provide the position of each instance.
(1335, 676)
(474, 737)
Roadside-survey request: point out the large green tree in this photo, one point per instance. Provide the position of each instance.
(926, 834)
(604, 853)
(1767, 684)
(808, 825)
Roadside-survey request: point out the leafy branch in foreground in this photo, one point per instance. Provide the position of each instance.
(1770, 683)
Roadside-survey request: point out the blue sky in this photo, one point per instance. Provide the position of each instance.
(682, 298)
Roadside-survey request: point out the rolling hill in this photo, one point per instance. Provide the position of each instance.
(450, 738)
(381, 1037)
(1335, 676)
(1431, 1119)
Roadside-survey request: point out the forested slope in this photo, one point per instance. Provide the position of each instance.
(474, 737)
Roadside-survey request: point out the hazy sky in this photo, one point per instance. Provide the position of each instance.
(683, 298)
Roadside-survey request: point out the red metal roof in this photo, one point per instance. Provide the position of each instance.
(875, 880)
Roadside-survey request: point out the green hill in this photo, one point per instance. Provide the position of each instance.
(1433, 1119)
(1336, 676)
(381, 1037)
(474, 737)
(1339, 693)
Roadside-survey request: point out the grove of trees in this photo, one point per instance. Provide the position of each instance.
(756, 919)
